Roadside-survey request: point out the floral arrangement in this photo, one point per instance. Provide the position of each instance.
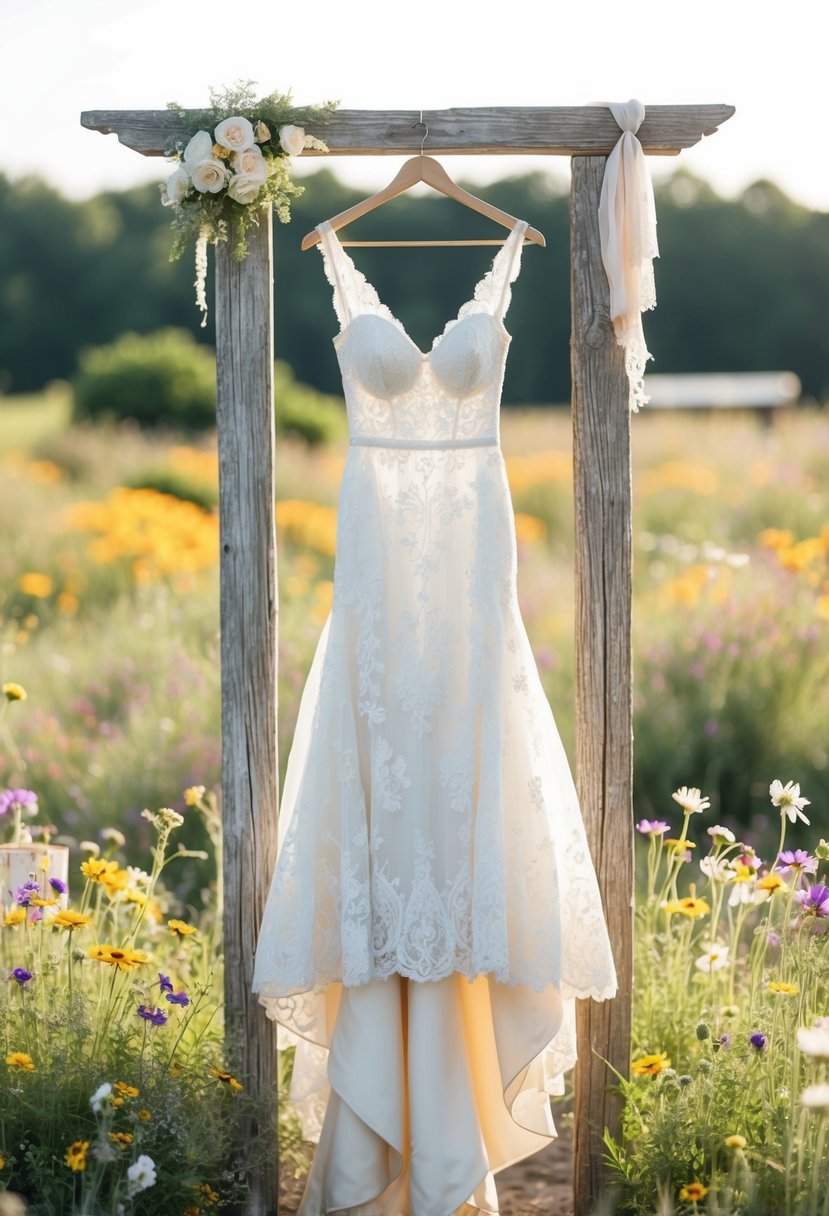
(232, 160)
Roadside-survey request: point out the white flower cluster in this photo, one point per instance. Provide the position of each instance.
(231, 158)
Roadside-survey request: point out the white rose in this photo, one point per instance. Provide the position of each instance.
(209, 176)
(234, 133)
(244, 188)
(199, 148)
(178, 184)
(250, 163)
(292, 139)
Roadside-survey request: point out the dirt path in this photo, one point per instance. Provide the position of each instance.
(541, 1183)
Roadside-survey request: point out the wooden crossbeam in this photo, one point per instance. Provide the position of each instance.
(501, 130)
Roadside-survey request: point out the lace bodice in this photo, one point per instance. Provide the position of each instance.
(396, 392)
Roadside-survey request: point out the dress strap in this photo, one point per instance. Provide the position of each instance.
(336, 271)
(507, 267)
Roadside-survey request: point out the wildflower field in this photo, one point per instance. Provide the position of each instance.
(109, 730)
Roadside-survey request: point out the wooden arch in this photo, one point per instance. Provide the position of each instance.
(249, 607)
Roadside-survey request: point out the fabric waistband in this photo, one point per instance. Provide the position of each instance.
(371, 441)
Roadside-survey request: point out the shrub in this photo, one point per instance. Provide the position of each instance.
(167, 379)
(159, 379)
(304, 412)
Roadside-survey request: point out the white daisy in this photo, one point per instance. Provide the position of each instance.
(787, 798)
(816, 1097)
(691, 800)
(714, 959)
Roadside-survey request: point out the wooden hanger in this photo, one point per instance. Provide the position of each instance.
(423, 169)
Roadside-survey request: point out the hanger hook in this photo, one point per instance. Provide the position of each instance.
(421, 123)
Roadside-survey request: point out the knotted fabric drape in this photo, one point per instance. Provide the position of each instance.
(627, 228)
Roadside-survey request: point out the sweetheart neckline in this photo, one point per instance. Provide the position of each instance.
(398, 326)
(521, 226)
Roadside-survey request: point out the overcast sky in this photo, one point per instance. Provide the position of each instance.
(57, 59)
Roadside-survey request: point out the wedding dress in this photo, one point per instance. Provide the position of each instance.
(434, 910)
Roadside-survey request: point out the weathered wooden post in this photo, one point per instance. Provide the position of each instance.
(604, 773)
(245, 426)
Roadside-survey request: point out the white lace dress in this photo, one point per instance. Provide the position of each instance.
(434, 909)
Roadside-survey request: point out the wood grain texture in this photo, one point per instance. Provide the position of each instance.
(511, 130)
(602, 478)
(245, 421)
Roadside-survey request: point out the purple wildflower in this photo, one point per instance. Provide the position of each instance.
(11, 800)
(57, 884)
(164, 982)
(158, 1018)
(796, 861)
(772, 939)
(653, 827)
(36, 915)
(23, 895)
(21, 975)
(758, 1041)
(725, 1041)
(815, 901)
(178, 998)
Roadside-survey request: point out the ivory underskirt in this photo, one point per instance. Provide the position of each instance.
(428, 1089)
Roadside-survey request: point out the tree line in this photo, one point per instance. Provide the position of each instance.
(742, 285)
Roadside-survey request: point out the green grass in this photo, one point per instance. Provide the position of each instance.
(28, 418)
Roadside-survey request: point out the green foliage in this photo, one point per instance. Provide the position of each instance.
(161, 379)
(302, 411)
(718, 962)
(741, 284)
(165, 379)
(85, 1076)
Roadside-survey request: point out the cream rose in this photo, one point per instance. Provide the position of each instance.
(199, 148)
(209, 176)
(178, 184)
(292, 139)
(250, 163)
(234, 133)
(243, 188)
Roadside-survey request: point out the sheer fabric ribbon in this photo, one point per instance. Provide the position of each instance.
(627, 228)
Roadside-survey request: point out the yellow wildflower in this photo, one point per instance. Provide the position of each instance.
(144, 1114)
(650, 1066)
(37, 585)
(529, 529)
(75, 1156)
(14, 916)
(775, 538)
(227, 1078)
(693, 1192)
(37, 902)
(193, 795)
(181, 928)
(122, 1139)
(783, 988)
(124, 960)
(128, 1091)
(209, 1196)
(771, 882)
(21, 1060)
(95, 868)
(673, 843)
(735, 1141)
(69, 919)
(690, 906)
(14, 692)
